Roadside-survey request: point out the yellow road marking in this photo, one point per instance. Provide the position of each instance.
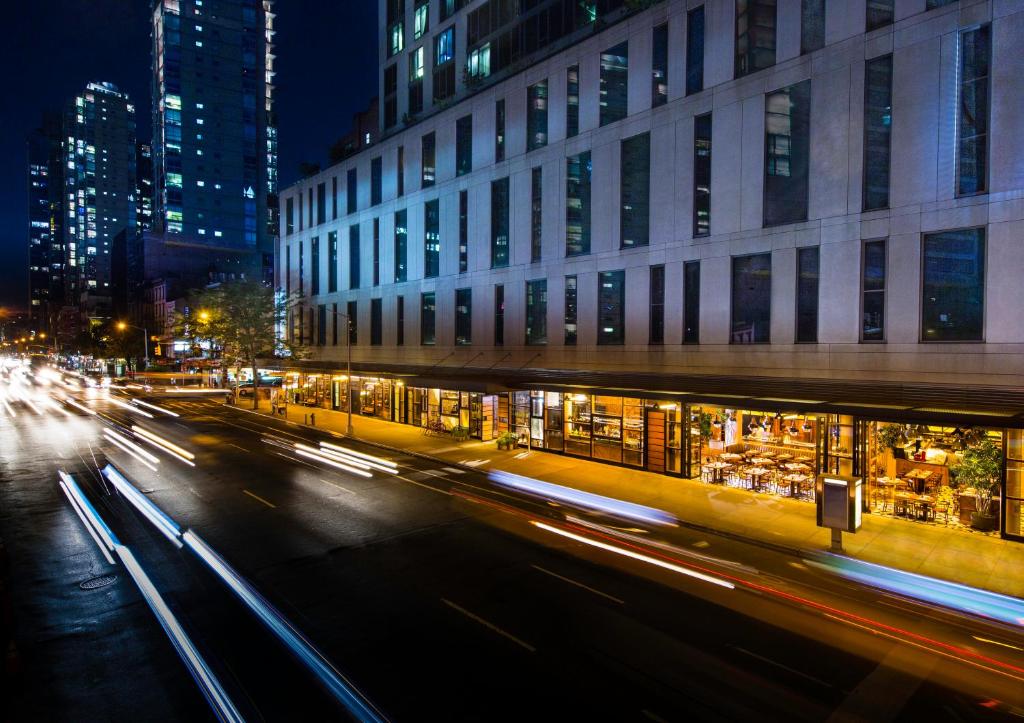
(257, 497)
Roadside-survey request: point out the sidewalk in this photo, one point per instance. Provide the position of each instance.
(957, 555)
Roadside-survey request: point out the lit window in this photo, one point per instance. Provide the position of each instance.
(202, 232)
(480, 61)
(420, 20)
(444, 47)
(201, 184)
(199, 43)
(218, 234)
(199, 121)
(416, 67)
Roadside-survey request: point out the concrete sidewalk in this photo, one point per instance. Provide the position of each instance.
(951, 554)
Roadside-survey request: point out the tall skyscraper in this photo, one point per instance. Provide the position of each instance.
(99, 190)
(214, 135)
(144, 187)
(45, 243)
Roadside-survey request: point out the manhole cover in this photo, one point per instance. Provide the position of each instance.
(98, 582)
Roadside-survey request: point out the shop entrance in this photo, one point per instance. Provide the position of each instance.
(656, 422)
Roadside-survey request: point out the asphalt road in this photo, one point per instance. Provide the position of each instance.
(437, 596)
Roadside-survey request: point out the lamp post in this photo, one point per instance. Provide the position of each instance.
(121, 325)
(348, 371)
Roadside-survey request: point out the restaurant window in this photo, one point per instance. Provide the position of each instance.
(536, 214)
(807, 275)
(877, 131)
(755, 36)
(376, 322)
(431, 239)
(695, 50)
(376, 252)
(353, 322)
(614, 83)
(659, 66)
(751, 299)
(499, 130)
(577, 204)
(351, 191)
(973, 121)
(334, 198)
(787, 154)
(571, 299)
(401, 246)
(1014, 516)
(537, 115)
(289, 216)
(572, 101)
(321, 324)
(635, 191)
(691, 302)
(463, 317)
(702, 175)
(376, 180)
(464, 145)
(499, 223)
(499, 314)
(657, 309)
(353, 256)
(400, 171)
(611, 302)
(321, 203)
(873, 292)
(537, 312)
(428, 309)
(463, 231)
(879, 14)
(400, 321)
(427, 166)
(314, 276)
(952, 307)
(812, 25)
(332, 262)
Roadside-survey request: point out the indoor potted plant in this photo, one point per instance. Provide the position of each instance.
(982, 469)
(507, 440)
(460, 433)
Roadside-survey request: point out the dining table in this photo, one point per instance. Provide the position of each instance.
(796, 467)
(757, 475)
(762, 460)
(717, 468)
(730, 457)
(795, 479)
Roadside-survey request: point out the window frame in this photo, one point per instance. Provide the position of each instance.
(884, 290)
(983, 229)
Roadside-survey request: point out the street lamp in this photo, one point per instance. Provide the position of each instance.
(121, 326)
(348, 373)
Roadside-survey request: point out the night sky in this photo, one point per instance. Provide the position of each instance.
(326, 71)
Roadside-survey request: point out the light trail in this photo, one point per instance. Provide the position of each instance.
(368, 457)
(129, 407)
(76, 405)
(159, 409)
(138, 452)
(165, 445)
(304, 451)
(139, 501)
(364, 464)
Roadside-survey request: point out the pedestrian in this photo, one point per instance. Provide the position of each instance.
(312, 419)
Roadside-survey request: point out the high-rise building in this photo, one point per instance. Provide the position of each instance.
(214, 135)
(144, 187)
(45, 219)
(99, 181)
(719, 228)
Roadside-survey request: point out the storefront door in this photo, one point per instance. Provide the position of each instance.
(655, 423)
(1013, 497)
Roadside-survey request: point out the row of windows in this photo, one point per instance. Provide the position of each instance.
(952, 299)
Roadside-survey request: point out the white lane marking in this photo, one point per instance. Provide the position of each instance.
(420, 484)
(257, 497)
(433, 472)
(701, 543)
(334, 484)
(296, 459)
(777, 664)
(454, 470)
(474, 462)
(489, 625)
(236, 446)
(578, 584)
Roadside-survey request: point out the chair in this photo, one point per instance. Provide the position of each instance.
(707, 474)
(941, 508)
(902, 505)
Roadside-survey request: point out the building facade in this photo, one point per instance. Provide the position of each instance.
(214, 134)
(684, 229)
(45, 219)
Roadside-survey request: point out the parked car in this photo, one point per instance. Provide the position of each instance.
(245, 388)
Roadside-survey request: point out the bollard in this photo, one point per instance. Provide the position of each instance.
(312, 420)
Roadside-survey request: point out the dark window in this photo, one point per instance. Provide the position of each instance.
(611, 302)
(695, 50)
(299, 210)
(537, 115)
(376, 180)
(572, 101)
(537, 312)
(463, 316)
(289, 216)
(353, 256)
(310, 207)
(499, 131)
(932, 4)
(499, 315)
(635, 191)
(877, 131)
(463, 145)
(428, 309)
(751, 299)
(314, 276)
(351, 310)
(334, 324)
(499, 223)
(302, 268)
(787, 152)
(702, 175)
(463, 231)
(873, 292)
(691, 302)
(332, 262)
(659, 66)
(879, 13)
(390, 99)
(755, 36)
(812, 25)
(431, 239)
(952, 307)
(536, 213)
(807, 260)
(400, 171)
(321, 324)
(288, 270)
(657, 315)
(350, 189)
(376, 322)
(334, 198)
(401, 246)
(577, 204)
(614, 83)
(321, 203)
(376, 252)
(427, 164)
(972, 128)
(400, 321)
(571, 310)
